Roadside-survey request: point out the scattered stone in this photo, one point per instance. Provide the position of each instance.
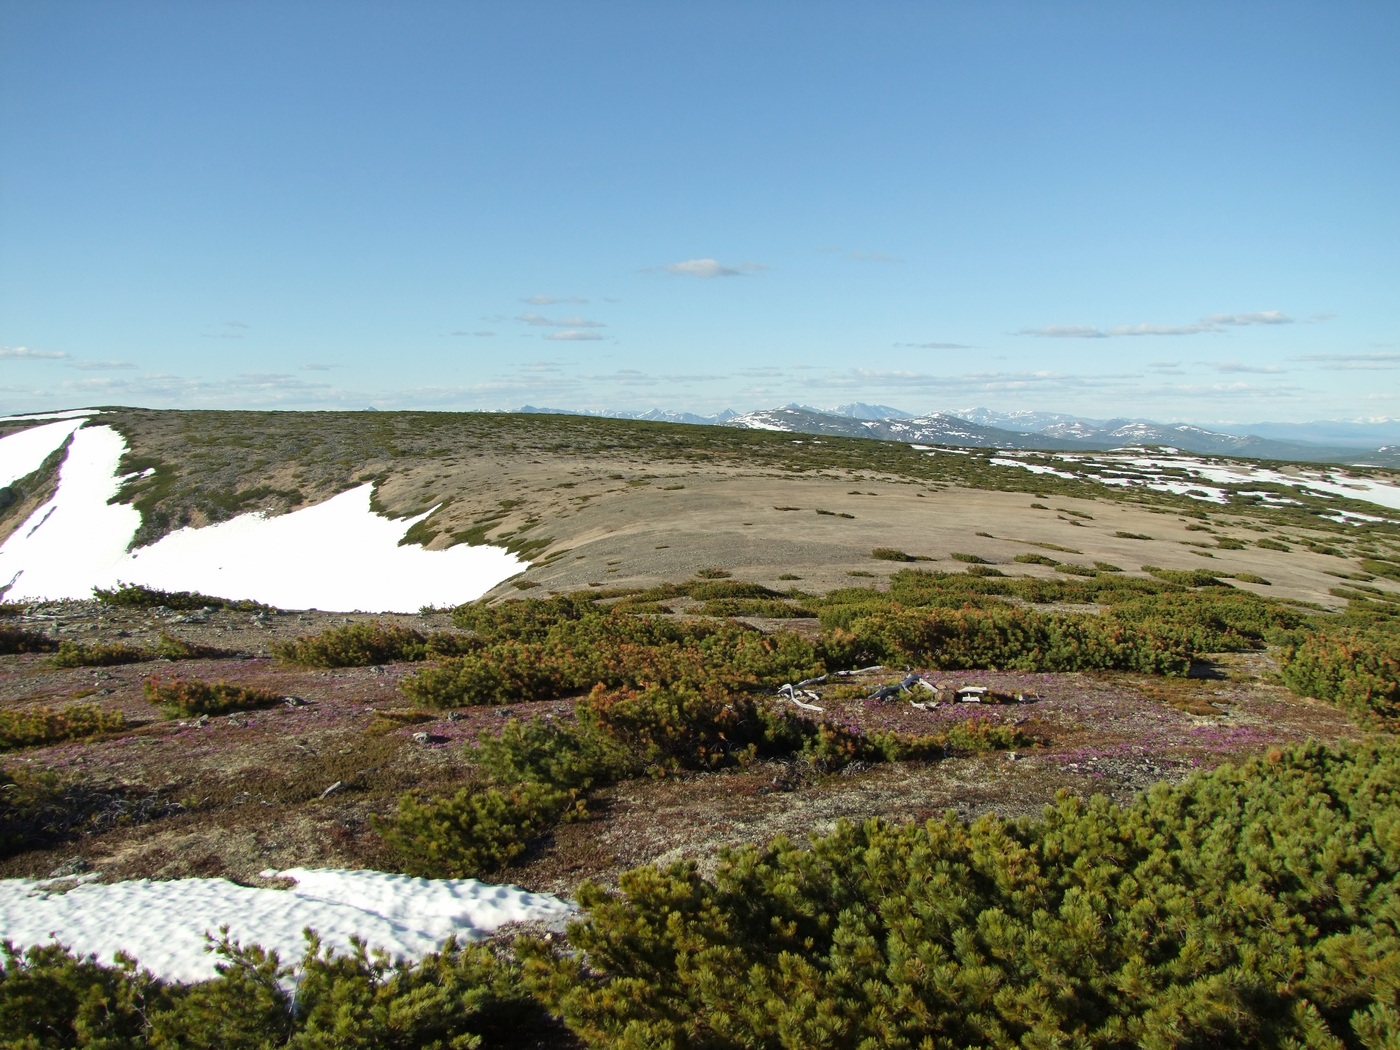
(70, 867)
(294, 701)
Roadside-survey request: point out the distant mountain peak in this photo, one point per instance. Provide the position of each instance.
(860, 410)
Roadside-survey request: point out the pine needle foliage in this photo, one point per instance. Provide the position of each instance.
(17, 640)
(36, 727)
(1252, 906)
(366, 644)
(186, 697)
(457, 998)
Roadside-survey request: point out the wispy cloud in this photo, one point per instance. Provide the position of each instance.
(553, 300)
(102, 366)
(1353, 362)
(225, 330)
(574, 335)
(1258, 317)
(1239, 367)
(1161, 329)
(316, 367)
(1213, 323)
(540, 321)
(875, 257)
(935, 346)
(482, 334)
(1065, 331)
(24, 353)
(710, 268)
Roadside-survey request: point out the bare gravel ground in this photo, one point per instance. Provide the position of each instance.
(298, 784)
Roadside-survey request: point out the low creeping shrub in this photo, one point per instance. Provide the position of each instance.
(1355, 668)
(457, 997)
(475, 832)
(77, 654)
(615, 650)
(1226, 911)
(366, 644)
(134, 595)
(186, 697)
(16, 640)
(37, 727)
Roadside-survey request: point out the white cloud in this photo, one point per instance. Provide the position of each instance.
(711, 268)
(1353, 362)
(552, 300)
(539, 321)
(1258, 317)
(1233, 367)
(1214, 323)
(1065, 331)
(24, 353)
(102, 366)
(1161, 329)
(574, 335)
(935, 346)
(482, 334)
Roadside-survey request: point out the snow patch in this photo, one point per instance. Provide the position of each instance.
(71, 413)
(24, 453)
(163, 924)
(335, 555)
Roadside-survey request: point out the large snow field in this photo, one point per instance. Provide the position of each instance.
(24, 453)
(162, 924)
(336, 555)
(1201, 478)
(67, 413)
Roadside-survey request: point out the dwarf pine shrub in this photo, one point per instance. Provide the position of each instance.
(615, 650)
(365, 644)
(1358, 669)
(475, 832)
(100, 654)
(186, 697)
(1249, 906)
(457, 997)
(17, 640)
(36, 727)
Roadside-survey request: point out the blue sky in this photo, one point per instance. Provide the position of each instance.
(1176, 211)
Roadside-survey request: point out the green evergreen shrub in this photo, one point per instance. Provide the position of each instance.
(185, 697)
(136, 596)
(476, 831)
(613, 649)
(1251, 906)
(17, 640)
(100, 654)
(459, 997)
(365, 644)
(890, 554)
(1358, 669)
(36, 727)
(52, 998)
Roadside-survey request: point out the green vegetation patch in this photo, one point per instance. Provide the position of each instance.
(136, 596)
(17, 640)
(187, 697)
(1173, 922)
(366, 644)
(457, 997)
(39, 726)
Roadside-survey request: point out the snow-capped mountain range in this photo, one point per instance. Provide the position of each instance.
(984, 428)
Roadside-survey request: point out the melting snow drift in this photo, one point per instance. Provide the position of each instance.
(335, 555)
(162, 924)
